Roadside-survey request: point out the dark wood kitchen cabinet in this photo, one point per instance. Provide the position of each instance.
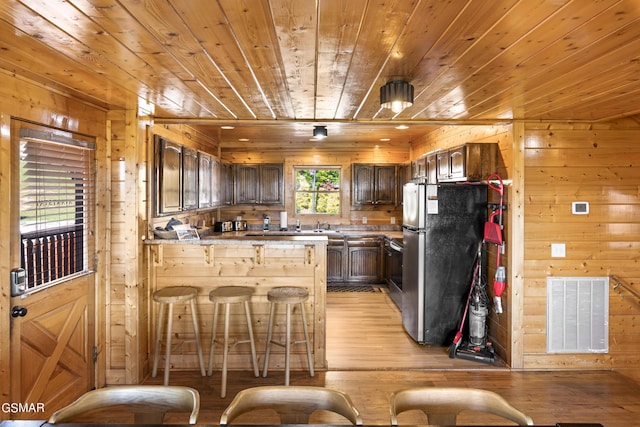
(373, 184)
(364, 256)
(259, 184)
(336, 260)
(226, 184)
(469, 162)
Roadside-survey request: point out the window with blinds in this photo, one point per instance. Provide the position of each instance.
(56, 206)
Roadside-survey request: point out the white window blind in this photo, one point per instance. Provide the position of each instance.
(56, 206)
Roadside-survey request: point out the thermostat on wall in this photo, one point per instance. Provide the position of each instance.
(580, 208)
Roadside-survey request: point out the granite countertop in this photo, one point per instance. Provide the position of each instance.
(260, 236)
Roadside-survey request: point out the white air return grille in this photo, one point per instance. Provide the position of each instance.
(577, 314)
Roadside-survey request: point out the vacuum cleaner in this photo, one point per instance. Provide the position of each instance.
(476, 346)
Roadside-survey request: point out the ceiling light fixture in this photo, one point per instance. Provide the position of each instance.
(320, 132)
(396, 95)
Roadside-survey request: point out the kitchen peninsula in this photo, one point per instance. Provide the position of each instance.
(244, 259)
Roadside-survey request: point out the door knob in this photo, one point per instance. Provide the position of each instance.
(18, 311)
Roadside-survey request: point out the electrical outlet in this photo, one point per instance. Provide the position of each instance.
(393, 220)
(364, 219)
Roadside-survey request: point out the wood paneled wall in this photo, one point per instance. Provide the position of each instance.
(450, 136)
(597, 163)
(317, 155)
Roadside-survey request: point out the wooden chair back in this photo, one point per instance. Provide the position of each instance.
(294, 404)
(147, 403)
(443, 404)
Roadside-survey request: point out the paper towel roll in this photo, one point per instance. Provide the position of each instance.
(283, 220)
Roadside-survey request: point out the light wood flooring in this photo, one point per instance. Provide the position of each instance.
(370, 356)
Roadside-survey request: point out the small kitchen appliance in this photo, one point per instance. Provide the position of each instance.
(223, 226)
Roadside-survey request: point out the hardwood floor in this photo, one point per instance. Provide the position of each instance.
(370, 357)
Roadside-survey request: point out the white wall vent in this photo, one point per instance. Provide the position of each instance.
(577, 314)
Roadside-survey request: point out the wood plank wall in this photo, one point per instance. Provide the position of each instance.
(597, 163)
(128, 346)
(451, 136)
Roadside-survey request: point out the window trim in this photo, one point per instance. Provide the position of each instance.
(46, 266)
(339, 168)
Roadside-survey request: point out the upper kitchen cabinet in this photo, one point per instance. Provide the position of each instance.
(259, 184)
(169, 176)
(373, 184)
(226, 183)
(189, 178)
(469, 162)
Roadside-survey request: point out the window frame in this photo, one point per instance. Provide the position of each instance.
(58, 252)
(340, 170)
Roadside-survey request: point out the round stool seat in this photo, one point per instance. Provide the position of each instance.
(230, 294)
(287, 295)
(173, 294)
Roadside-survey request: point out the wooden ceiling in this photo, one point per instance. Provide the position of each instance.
(274, 68)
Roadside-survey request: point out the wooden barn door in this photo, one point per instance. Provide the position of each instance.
(52, 347)
(52, 321)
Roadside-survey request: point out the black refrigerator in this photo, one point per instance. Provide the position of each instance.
(443, 225)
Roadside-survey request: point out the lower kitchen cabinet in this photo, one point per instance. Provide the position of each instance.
(355, 260)
(364, 260)
(335, 261)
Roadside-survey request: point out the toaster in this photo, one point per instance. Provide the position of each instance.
(240, 225)
(223, 226)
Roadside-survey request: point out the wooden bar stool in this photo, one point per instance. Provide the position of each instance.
(288, 295)
(168, 297)
(228, 295)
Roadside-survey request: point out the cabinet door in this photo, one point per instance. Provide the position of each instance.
(190, 179)
(364, 260)
(170, 177)
(246, 184)
(457, 162)
(205, 171)
(271, 184)
(216, 190)
(335, 261)
(442, 165)
(432, 169)
(226, 176)
(363, 189)
(385, 185)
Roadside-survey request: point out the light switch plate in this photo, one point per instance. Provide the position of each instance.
(558, 250)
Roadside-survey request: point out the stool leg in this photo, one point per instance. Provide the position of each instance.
(196, 331)
(251, 340)
(213, 337)
(167, 356)
(225, 354)
(156, 353)
(269, 333)
(287, 346)
(306, 339)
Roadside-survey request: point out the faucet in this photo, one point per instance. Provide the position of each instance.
(318, 225)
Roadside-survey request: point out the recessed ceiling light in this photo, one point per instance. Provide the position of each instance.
(385, 139)
(243, 139)
(402, 127)
(227, 127)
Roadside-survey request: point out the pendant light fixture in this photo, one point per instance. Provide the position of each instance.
(320, 132)
(396, 95)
